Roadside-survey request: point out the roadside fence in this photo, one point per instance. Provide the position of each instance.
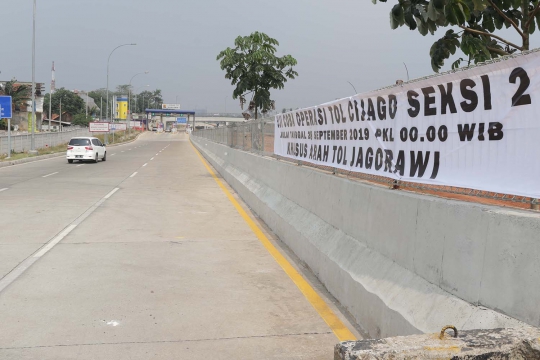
(22, 143)
(257, 136)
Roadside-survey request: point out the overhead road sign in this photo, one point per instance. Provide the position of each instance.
(170, 106)
(5, 107)
(181, 120)
(175, 112)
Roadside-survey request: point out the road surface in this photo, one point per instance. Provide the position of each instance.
(144, 257)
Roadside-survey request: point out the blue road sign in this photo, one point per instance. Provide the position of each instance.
(5, 107)
(181, 120)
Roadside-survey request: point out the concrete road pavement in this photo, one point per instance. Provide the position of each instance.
(152, 261)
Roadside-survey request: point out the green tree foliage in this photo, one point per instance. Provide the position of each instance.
(479, 20)
(100, 96)
(80, 119)
(157, 99)
(255, 69)
(71, 102)
(142, 101)
(147, 99)
(19, 94)
(123, 89)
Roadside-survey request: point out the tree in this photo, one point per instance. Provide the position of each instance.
(71, 102)
(100, 97)
(19, 93)
(80, 119)
(123, 89)
(255, 69)
(478, 19)
(157, 98)
(143, 100)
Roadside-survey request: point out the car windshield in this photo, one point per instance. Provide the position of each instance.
(79, 142)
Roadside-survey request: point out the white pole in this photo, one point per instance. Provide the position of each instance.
(9, 138)
(50, 109)
(33, 122)
(86, 104)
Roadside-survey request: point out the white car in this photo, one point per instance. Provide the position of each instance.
(86, 148)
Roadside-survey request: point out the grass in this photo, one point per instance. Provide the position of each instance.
(119, 137)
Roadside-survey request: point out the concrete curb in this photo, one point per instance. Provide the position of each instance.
(49, 156)
(520, 343)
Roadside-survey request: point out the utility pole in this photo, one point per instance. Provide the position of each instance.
(60, 121)
(33, 150)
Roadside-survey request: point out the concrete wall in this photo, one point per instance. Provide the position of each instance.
(401, 263)
(21, 143)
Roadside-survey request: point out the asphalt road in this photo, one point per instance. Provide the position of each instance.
(142, 257)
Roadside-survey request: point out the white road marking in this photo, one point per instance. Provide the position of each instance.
(121, 151)
(54, 173)
(3, 189)
(54, 241)
(111, 193)
(113, 154)
(80, 165)
(28, 262)
(133, 175)
(31, 162)
(129, 149)
(145, 165)
(152, 159)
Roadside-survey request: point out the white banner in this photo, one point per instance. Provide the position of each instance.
(477, 128)
(170, 106)
(118, 127)
(98, 127)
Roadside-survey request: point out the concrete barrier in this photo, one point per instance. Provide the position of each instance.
(401, 263)
(496, 344)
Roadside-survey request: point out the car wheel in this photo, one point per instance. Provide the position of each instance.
(104, 157)
(96, 159)
(70, 161)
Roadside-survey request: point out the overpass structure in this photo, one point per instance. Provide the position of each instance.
(191, 118)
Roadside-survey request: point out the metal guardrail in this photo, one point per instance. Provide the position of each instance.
(257, 136)
(21, 143)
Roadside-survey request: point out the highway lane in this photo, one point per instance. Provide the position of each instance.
(41, 198)
(150, 260)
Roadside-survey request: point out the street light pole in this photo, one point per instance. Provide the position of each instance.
(130, 116)
(138, 98)
(33, 121)
(108, 60)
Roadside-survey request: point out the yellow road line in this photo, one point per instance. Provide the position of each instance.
(337, 326)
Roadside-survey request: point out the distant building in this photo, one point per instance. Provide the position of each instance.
(120, 106)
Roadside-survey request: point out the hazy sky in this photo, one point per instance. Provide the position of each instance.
(334, 41)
